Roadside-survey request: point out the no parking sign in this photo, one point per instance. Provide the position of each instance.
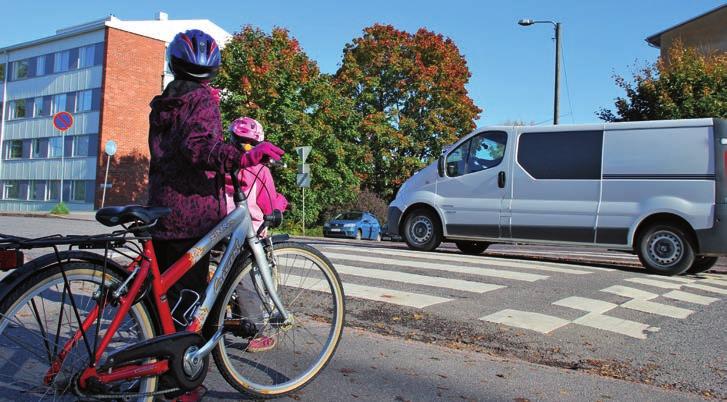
(62, 121)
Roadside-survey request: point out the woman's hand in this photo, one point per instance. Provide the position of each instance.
(258, 154)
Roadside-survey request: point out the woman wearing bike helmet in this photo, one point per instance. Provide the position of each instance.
(189, 157)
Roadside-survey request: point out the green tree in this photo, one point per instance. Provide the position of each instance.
(269, 78)
(688, 85)
(410, 90)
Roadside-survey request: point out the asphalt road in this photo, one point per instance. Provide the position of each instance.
(557, 323)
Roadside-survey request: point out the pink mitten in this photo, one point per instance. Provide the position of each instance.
(261, 151)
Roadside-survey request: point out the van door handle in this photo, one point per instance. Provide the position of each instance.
(501, 180)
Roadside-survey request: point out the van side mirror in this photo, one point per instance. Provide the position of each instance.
(440, 166)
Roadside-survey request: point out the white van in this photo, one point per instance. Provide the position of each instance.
(655, 188)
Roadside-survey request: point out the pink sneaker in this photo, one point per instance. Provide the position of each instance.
(193, 395)
(261, 344)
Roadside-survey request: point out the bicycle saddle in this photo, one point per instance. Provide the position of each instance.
(113, 216)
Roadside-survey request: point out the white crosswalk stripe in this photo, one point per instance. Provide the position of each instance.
(657, 308)
(690, 297)
(585, 304)
(707, 288)
(414, 279)
(655, 283)
(501, 262)
(630, 292)
(612, 324)
(524, 319)
(494, 273)
(368, 292)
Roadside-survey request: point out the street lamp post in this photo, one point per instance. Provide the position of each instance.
(556, 107)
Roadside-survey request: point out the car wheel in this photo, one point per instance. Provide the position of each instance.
(701, 264)
(422, 231)
(358, 234)
(472, 247)
(665, 250)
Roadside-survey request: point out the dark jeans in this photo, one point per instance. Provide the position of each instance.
(168, 252)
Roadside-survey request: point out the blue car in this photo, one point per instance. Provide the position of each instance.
(355, 225)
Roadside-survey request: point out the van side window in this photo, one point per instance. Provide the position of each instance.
(486, 151)
(571, 155)
(457, 158)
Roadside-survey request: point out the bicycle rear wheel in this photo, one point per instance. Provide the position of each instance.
(38, 318)
(311, 291)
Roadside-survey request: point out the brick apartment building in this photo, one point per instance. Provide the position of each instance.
(706, 32)
(104, 72)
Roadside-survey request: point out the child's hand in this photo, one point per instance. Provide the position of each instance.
(261, 151)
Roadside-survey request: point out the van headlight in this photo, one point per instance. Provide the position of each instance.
(349, 225)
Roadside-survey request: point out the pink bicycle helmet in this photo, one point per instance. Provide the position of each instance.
(246, 128)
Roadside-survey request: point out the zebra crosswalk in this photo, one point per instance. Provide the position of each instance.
(423, 280)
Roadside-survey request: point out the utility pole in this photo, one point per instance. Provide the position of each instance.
(556, 100)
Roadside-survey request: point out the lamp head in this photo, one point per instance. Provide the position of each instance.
(525, 23)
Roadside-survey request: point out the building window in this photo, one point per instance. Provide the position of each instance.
(20, 70)
(55, 147)
(38, 190)
(17, 109)
(78, 191)
(61, 61)
(41, 106)
(11, 190)
(569, 155)
(15, 149)
(59, 103)
(84, 101)
(39, 148)
(86, 56)
(80, 145)
(40, 66)
(54, 192)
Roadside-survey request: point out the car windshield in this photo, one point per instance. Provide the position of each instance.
(348, 216)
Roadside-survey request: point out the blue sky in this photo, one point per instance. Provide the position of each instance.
(512, 66)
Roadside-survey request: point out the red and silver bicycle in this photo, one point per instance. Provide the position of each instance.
(76, 324)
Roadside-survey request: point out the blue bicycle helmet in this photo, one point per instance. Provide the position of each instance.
(194, 55)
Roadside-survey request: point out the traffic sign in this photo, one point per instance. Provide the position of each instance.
(110, 147)
(303, 180)
(303, 153)
(62, 121)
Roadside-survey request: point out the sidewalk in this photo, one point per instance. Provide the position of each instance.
(77, 216)
(370, 367)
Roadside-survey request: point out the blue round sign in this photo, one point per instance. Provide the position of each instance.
(62, 121)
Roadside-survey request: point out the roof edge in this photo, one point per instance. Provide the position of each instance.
(655, 39)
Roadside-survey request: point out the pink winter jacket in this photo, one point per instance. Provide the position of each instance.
(262, 197)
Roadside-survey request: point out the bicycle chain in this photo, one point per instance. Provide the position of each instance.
(119, 395)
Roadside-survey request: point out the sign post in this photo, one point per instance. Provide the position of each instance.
(303, 177)
(110, 149)
(62, 121)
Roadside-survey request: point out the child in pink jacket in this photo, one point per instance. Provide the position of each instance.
(257, 182)
(262, 198)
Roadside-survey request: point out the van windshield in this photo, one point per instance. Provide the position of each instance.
(348, 216)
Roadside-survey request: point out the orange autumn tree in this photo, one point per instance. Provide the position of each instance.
(410, 90)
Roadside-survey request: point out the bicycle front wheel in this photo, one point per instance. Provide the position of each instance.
(279, 359)
(40, 318)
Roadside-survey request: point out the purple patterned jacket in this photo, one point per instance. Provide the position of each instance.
(188, 160)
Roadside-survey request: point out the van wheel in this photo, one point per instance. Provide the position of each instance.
(472, 247)
(665, 250)
(422, 231)
(701, 264)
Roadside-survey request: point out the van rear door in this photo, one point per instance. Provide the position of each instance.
(471, 192)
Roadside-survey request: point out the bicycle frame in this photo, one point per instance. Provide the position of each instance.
(238, 226)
